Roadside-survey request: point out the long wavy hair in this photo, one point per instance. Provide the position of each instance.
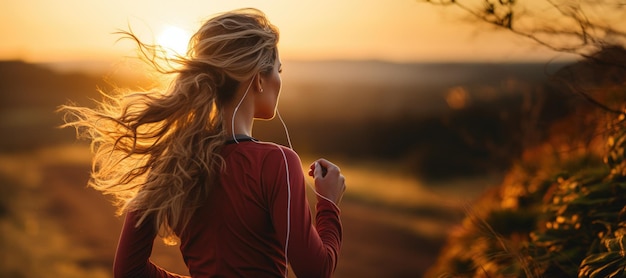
(157, 152)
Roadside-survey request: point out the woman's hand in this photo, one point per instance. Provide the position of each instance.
(329, 182)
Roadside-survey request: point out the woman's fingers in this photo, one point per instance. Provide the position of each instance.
(329, 182)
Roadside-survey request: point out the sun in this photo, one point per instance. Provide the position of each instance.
(174, 41)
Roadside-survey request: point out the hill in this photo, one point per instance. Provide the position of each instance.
(434, 120)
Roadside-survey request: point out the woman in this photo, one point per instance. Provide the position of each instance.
(183, 165)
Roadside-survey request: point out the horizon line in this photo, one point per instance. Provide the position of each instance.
(99, 65)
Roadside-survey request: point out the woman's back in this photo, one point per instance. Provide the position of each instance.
(249, 218)
(234, 233)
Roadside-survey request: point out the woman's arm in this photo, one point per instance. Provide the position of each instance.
(132, 258)
(312, 251)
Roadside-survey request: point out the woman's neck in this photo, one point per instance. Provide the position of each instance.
(239, 113)
(243, 121)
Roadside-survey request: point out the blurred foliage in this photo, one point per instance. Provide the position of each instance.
(561, 210)
(548, 221)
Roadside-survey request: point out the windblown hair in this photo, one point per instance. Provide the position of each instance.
(158, 151)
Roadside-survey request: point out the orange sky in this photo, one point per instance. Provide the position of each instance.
(394, 30)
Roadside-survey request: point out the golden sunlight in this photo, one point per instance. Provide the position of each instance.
(174, 41)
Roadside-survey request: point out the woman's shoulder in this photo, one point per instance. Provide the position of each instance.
(274, 148)
(273, 151)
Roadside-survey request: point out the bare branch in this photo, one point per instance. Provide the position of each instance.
(584, 36)
(569, 29)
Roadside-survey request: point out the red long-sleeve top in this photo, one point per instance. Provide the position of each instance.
(245, 224)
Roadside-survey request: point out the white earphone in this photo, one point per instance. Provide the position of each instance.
(286, 170)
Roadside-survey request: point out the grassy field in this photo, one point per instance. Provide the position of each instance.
(412, 164)
(54, 226)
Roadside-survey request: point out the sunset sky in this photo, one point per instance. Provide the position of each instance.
(395, 30)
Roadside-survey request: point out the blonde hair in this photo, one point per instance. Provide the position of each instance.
(158, 152)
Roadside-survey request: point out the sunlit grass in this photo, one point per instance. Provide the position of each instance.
(26, 168)
(33, 245)
(37, 245)
(381, 183)
(405, 202)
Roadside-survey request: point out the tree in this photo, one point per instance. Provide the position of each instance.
(581, 27)
(592, 29)
(562, 219)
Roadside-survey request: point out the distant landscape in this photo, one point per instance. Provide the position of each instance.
(365, 110)
(416, 141)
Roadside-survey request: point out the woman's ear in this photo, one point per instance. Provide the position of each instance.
(258, 82)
